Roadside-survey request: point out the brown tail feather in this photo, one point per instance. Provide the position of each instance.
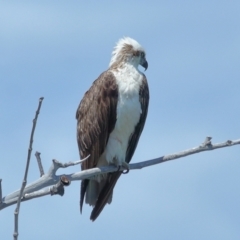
(84, 185)
(105, 194)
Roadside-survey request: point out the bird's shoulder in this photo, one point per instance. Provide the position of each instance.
(103, 88)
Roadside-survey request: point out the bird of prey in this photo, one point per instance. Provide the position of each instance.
(110, 120)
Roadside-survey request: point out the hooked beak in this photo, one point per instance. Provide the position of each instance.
(144, 64)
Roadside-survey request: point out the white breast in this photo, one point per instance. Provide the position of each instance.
(129, 80)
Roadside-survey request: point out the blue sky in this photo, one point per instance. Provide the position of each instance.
(56, 49)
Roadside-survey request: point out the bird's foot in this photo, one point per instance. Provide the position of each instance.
(123, 165)
(119, 167)
(126, 166)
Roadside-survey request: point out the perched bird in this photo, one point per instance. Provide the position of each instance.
(110, 120)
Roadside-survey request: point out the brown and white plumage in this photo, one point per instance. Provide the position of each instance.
(110, 119)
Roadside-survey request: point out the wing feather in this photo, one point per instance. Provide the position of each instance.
(96, 118)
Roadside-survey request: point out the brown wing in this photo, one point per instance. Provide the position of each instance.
(96, 118)
(133, 141)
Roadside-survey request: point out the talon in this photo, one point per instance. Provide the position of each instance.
(125, 165)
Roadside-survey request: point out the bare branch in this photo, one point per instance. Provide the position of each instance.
(205, 146)
(207, 142)
(55, 189)
(59, 187)
(16, 212)
(42, 186)
(37, 154)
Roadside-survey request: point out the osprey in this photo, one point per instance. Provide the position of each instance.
(110, 120)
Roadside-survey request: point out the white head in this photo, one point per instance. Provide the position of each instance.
(129, 51)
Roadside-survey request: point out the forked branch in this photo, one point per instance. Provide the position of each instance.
(41, 186)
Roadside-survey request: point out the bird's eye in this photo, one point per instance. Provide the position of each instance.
(142, 54)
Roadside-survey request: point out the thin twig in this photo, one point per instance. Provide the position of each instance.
(16, 212)
(37, 154)
(65, 165)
